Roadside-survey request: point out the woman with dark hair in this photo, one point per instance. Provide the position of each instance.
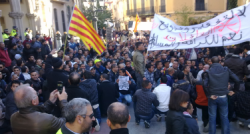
(175, 120)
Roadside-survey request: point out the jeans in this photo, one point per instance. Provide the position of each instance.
(146, 118)
(244, 121)
(97, 114)
(138, 80)
(160, 112)
(205, 116)
(127, 97)
(222, 105)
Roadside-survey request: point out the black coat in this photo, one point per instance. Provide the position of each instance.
(53, 76)
(119, 131)
(237, 66)
(30, 64)
(28, 52)
(108, 94)
(10, 104)
(176, 123)
(76, 92)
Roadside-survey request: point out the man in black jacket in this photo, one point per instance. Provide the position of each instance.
(11, 107)
(118, 117)
(74, 91)
(107, 93)
(216, 88)
(143, 99)
(237, 66)
(53, 76)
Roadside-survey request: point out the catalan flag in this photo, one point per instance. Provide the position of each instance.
(137, 20)
(81, 27)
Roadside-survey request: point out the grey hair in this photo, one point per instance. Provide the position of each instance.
(26, 97)
(77, 106)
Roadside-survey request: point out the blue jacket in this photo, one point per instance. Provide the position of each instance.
(170, 80)
(99, 70)
(192, 125)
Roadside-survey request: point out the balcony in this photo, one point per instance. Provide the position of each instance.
(59, 1)
(141, 11)
(162, 9)
(146, 11)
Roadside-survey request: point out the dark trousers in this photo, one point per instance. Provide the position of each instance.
(97, 114)
(138, 80)
(205, 115)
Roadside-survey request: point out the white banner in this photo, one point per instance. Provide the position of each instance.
(123, 82)
(229, 28)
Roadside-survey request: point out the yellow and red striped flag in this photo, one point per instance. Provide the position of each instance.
(137, 20)
(81, 27)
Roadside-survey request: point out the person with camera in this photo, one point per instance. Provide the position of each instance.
(31, 118)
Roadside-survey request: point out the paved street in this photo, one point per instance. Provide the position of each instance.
(160, 128)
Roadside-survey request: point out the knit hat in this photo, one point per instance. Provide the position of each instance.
(56, 63)
(18, 56)
(97, 60)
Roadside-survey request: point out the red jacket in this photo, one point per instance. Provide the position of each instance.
(26, 41)
(201, 96)
(4, 57)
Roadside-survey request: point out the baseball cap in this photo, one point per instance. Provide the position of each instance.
(97, 60)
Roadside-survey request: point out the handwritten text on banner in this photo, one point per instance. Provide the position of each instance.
(228, 28)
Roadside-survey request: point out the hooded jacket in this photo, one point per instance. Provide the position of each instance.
(90, 87)
(185, 86)
(215, 80)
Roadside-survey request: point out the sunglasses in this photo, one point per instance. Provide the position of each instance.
(90, 116)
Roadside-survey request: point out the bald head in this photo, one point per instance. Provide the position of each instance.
(118, 114)
(24, 95)
(74, 78)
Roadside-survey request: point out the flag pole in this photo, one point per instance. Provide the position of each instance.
(68, 32)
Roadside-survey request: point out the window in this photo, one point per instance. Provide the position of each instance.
(56, 20)
(199, 5)
(63, 22)
(69, 14)
(163, 6)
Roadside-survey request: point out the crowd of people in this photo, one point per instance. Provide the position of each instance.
(69, 90)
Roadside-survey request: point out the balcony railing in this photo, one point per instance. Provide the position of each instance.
(162, 9)
(141, 11)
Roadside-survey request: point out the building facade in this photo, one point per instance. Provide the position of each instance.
(43, 16)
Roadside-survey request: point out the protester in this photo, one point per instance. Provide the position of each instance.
(107, 93)
(53, 76)
(27, 121)
(118, 117)
(74, 91)
(139, 63)
(113, 74)
(216, 89)
(242, 107)
(79, 117)
(4, 56)
(143, 100)
(190, 121)
(175, 121)
(237, 66)
(162, 92)
(89, 85)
